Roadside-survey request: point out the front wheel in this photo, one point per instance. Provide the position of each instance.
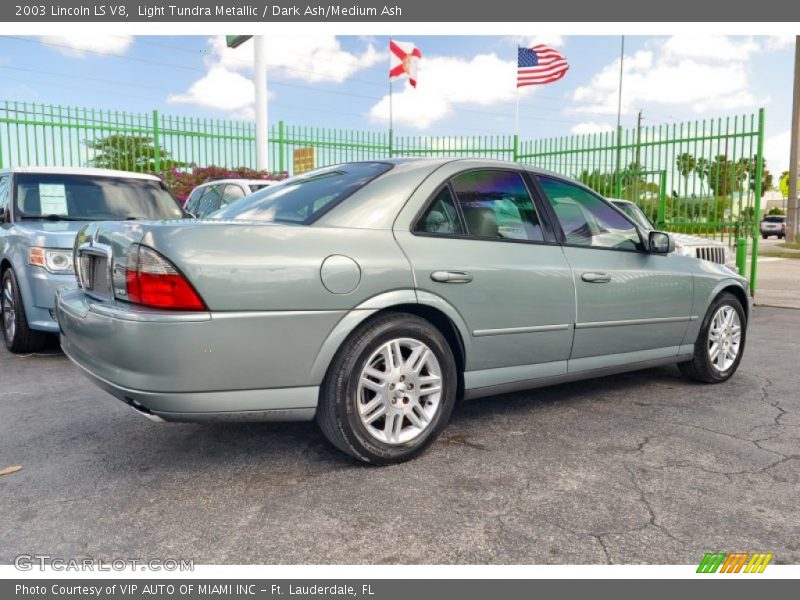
(720, 343)
(390, 390)
(18, 336)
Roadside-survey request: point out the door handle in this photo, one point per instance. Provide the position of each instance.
(596, 277)
(451, 276)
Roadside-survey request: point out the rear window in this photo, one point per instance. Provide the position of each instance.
(775, 219)
(304, 198)
(92, 198)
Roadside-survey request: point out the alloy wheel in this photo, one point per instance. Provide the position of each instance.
(399, 391)
(9, 311)
(724, 338)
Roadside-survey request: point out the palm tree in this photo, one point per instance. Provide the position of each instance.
(686, 164)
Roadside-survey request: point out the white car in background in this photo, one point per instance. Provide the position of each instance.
(213, 195)
(686, 245)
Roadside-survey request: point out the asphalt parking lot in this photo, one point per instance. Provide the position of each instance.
(640, 468)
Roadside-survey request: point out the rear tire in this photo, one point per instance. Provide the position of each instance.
(720, 344)
(18, 336)
(389, 391)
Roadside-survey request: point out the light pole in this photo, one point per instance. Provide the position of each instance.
(260, 81)
(794, 156)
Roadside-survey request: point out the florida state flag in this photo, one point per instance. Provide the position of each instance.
(403, 60)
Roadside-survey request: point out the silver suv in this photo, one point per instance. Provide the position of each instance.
(685, 245)
(41, 211)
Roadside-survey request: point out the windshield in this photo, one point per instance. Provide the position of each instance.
(775, 219)
(92, 198)
(635, 213)
(304, 198)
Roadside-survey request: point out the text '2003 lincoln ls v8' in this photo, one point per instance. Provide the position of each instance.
(372, 295)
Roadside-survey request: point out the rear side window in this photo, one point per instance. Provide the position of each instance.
(304, 198)
(496, 204)
(442, 217)
(209, 201)
(232, 192)
(3, 195)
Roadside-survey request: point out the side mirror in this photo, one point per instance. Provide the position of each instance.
(660, 242)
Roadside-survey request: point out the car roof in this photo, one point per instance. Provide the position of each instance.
(235, 180)
(81, 171)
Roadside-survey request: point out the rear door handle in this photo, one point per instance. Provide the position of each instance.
(596, 277)
(451, 276)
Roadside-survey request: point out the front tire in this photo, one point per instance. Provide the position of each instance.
(390, 390)
(720, 343)
(18, 336)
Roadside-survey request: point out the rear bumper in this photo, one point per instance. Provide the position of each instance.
(197, 366)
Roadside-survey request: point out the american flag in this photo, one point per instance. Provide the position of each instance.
(540, 64)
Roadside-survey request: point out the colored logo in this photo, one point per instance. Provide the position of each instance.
(734, 562)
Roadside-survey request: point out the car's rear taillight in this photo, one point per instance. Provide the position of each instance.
(153, 281)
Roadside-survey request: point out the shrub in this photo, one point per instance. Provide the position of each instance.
(181, 182)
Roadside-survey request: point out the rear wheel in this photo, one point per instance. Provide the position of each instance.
(720, 343)
(390, 390)
(18, 336)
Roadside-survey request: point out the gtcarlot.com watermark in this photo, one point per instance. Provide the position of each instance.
(45, 562)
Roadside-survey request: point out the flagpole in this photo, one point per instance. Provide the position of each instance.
(391, 116)
(516, 117)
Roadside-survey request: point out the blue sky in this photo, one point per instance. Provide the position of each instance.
(466, 83)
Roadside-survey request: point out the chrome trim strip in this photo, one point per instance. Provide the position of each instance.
(106, 252)
(510, 330)
(654, 321)
(530, 384)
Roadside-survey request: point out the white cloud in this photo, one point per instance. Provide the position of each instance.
(709, 47)
(776, 153)
(703, 73)
(443, 84)
(591, 127)
(228, 87)
(528, 41)
(779, 42)
(79, 46)
(313, 59)
(220, 89)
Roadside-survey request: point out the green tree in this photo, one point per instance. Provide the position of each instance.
(751, 166)
(726, 176)
(129, 153)
(783, 185)
(686, 164)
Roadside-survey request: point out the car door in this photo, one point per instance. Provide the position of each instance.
(631, 305)
(5, 212)
(480, 244)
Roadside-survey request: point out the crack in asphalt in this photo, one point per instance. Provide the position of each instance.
(651, 511)
(600, 541)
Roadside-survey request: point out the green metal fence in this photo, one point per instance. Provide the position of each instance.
(703, 177)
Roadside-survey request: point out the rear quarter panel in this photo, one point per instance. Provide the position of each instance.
(255, 267)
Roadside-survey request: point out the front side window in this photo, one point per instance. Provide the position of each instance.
(62, 197)
(496, 204)
(635, 213)
(587, 220)
(304, 198)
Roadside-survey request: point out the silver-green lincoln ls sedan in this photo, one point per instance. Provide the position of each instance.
(372, 295)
